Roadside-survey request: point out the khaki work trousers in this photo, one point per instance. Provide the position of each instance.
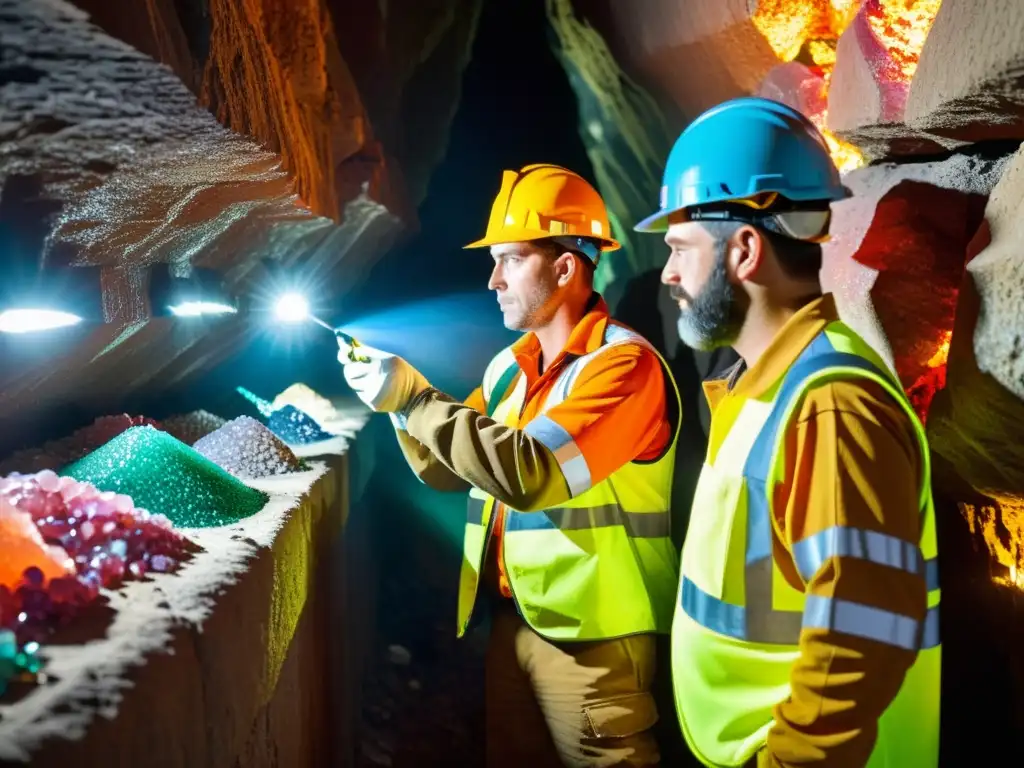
(567, 704)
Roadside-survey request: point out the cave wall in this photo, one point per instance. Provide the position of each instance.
(211, 133)
(920, 102)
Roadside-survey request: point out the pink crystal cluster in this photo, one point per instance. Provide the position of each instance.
(60, 453)
(105, 535)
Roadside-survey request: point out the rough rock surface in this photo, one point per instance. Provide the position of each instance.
(875, 63)
(111, 160)
(976, 421)
(998, 274)
(898, 251)
(627, 137)
(407, 61)
(695, 53)
(798, 85)
(967, 86)
(978, 471)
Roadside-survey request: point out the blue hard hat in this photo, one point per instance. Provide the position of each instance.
(741, 148)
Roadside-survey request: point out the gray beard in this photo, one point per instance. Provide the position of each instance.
(714, 318)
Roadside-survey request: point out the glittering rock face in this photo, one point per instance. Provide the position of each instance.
(246, 448)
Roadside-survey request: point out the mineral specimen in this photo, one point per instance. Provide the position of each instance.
(57, 453)
(164, 475)
(17, 661)
(296, 427)
(307, 401)
(108, 537)
(190, 427)
(104, 538)
(34, 608)
(23, 547)
(246, 448)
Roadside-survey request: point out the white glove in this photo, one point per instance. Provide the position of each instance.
(386, 383)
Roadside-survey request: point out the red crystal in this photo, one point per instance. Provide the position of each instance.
(108, 538)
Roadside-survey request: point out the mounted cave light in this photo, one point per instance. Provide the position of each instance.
(200, 293)
(33, 320)
(51, 300)
(197, 308)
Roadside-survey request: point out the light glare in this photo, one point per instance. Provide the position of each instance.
(31, 320)
(197, 308)
(292, 308)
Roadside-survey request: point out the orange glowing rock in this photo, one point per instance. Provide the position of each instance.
(788, 24)
(902, 26)
(23, 547)
(813, 27)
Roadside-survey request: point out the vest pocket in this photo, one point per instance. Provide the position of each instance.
(713, 536)
(620, 716)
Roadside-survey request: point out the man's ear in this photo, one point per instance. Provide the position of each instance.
(746, 253)
(565, 268)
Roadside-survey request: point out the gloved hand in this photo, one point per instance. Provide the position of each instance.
(386, 383)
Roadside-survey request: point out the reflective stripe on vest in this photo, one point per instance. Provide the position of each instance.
(759, 621)
(611, 540)
(643, 525)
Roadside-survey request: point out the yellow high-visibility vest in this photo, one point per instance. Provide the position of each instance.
(738, 621)
(599, 566)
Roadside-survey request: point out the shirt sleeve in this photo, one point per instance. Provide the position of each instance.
(422, 460)
(849, 516)
(614, 414)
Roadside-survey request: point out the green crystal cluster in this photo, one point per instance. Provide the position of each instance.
(17, 663)
(167, 477)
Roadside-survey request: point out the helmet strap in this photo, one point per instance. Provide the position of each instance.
(580, 245)
(810, 225)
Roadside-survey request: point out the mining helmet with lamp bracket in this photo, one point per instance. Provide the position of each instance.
(549, 202)
(751, 160)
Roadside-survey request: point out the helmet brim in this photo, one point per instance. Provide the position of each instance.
(656, 222)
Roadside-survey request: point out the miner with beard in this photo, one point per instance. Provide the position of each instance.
(806, 625)
(567, 450)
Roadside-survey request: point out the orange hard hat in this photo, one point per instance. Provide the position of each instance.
(543, 201)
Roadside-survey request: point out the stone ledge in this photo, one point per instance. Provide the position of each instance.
(225, 662)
